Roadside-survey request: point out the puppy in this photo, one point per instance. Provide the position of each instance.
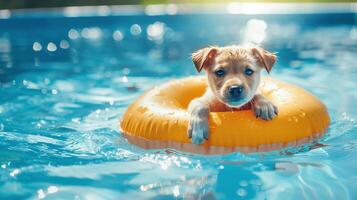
(233, 74)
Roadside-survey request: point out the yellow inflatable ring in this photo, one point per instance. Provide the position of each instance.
(158, 119)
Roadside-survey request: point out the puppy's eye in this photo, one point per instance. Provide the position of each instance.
(220, 73)
(248, 72)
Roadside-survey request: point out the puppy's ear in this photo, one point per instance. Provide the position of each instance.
(204, 57)
(264, 58)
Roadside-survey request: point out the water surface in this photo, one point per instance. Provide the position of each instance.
(65, 82)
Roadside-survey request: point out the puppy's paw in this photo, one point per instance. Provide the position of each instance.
(264, 109)
(198, 129)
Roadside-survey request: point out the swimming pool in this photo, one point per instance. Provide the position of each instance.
(66, 80)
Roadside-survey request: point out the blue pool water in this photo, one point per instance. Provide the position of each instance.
(65, 82)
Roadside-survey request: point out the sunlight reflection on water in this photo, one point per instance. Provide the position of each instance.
(66, 83)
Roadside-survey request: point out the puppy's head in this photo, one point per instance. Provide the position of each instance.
(234, 71)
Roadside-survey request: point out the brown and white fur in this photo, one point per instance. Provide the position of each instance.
(233, 74)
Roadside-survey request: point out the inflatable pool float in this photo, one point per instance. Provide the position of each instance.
(158, 119)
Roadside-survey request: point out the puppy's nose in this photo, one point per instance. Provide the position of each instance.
(235, 90)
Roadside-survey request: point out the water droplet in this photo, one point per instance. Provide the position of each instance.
(135, 29)
(41, 194)
(37, 46)
(73, 34)
(91, 33)
(64, 44)
(156, 31)
(52, 189)
(40, 123)
(118, 36)
(51, 47)
(124, 79)
(241, 192)
(15, 172)
(54, 91)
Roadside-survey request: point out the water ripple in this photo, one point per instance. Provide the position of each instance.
(65, 84)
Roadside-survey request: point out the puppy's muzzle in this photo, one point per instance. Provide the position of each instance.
(235, 91)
